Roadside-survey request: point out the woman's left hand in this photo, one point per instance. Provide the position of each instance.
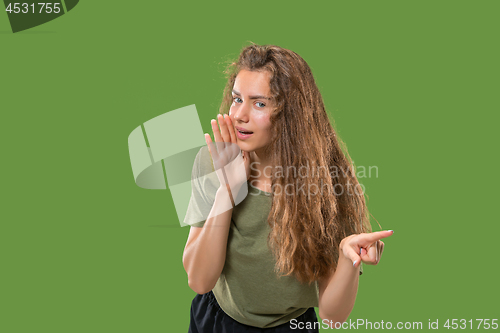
(367, 248)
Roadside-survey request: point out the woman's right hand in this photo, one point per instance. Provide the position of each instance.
(231, 165)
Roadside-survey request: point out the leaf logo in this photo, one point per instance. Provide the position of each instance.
(28, 14)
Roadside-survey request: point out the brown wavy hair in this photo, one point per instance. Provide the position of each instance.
(306, 228)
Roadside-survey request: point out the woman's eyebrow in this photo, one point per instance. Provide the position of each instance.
(252, 97)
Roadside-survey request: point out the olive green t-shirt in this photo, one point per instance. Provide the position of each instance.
(248, 289)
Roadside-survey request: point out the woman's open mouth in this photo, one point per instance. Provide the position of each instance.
(242, 133)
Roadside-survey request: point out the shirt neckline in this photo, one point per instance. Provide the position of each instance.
(258, 189)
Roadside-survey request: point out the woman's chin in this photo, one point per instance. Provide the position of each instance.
(243, 146)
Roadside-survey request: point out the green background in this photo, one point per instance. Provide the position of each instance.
(413, 88)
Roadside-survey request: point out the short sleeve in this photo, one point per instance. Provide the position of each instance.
(204, 185)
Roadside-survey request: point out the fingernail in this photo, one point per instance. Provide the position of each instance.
(392, 231)
(354, 263)
(360, 251)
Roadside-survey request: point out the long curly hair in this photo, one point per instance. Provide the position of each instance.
(318, 210)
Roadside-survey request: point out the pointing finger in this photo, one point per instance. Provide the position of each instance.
(368, 239)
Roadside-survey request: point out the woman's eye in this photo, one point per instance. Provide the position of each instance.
(261, 104)
(237, 99)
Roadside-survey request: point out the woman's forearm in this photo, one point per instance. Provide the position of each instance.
(339, 296)
(204, 256)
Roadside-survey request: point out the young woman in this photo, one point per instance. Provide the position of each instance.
(298, 238)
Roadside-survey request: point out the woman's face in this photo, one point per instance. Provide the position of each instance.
(251, 109)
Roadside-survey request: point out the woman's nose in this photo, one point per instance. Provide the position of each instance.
(241, 113)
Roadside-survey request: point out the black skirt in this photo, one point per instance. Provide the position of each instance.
(208, 317)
